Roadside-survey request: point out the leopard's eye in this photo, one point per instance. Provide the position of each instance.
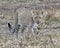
(37, 13)
(42, 12)
(40, 17)
(36, 17)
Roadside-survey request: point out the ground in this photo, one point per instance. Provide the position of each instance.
(48, 33)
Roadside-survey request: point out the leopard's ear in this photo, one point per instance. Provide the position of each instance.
(35, 12)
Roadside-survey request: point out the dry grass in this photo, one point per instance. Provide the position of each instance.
(47, 35)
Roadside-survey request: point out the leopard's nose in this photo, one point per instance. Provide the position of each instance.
(37, 22)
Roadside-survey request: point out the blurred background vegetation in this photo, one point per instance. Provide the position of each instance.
(47, 35)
